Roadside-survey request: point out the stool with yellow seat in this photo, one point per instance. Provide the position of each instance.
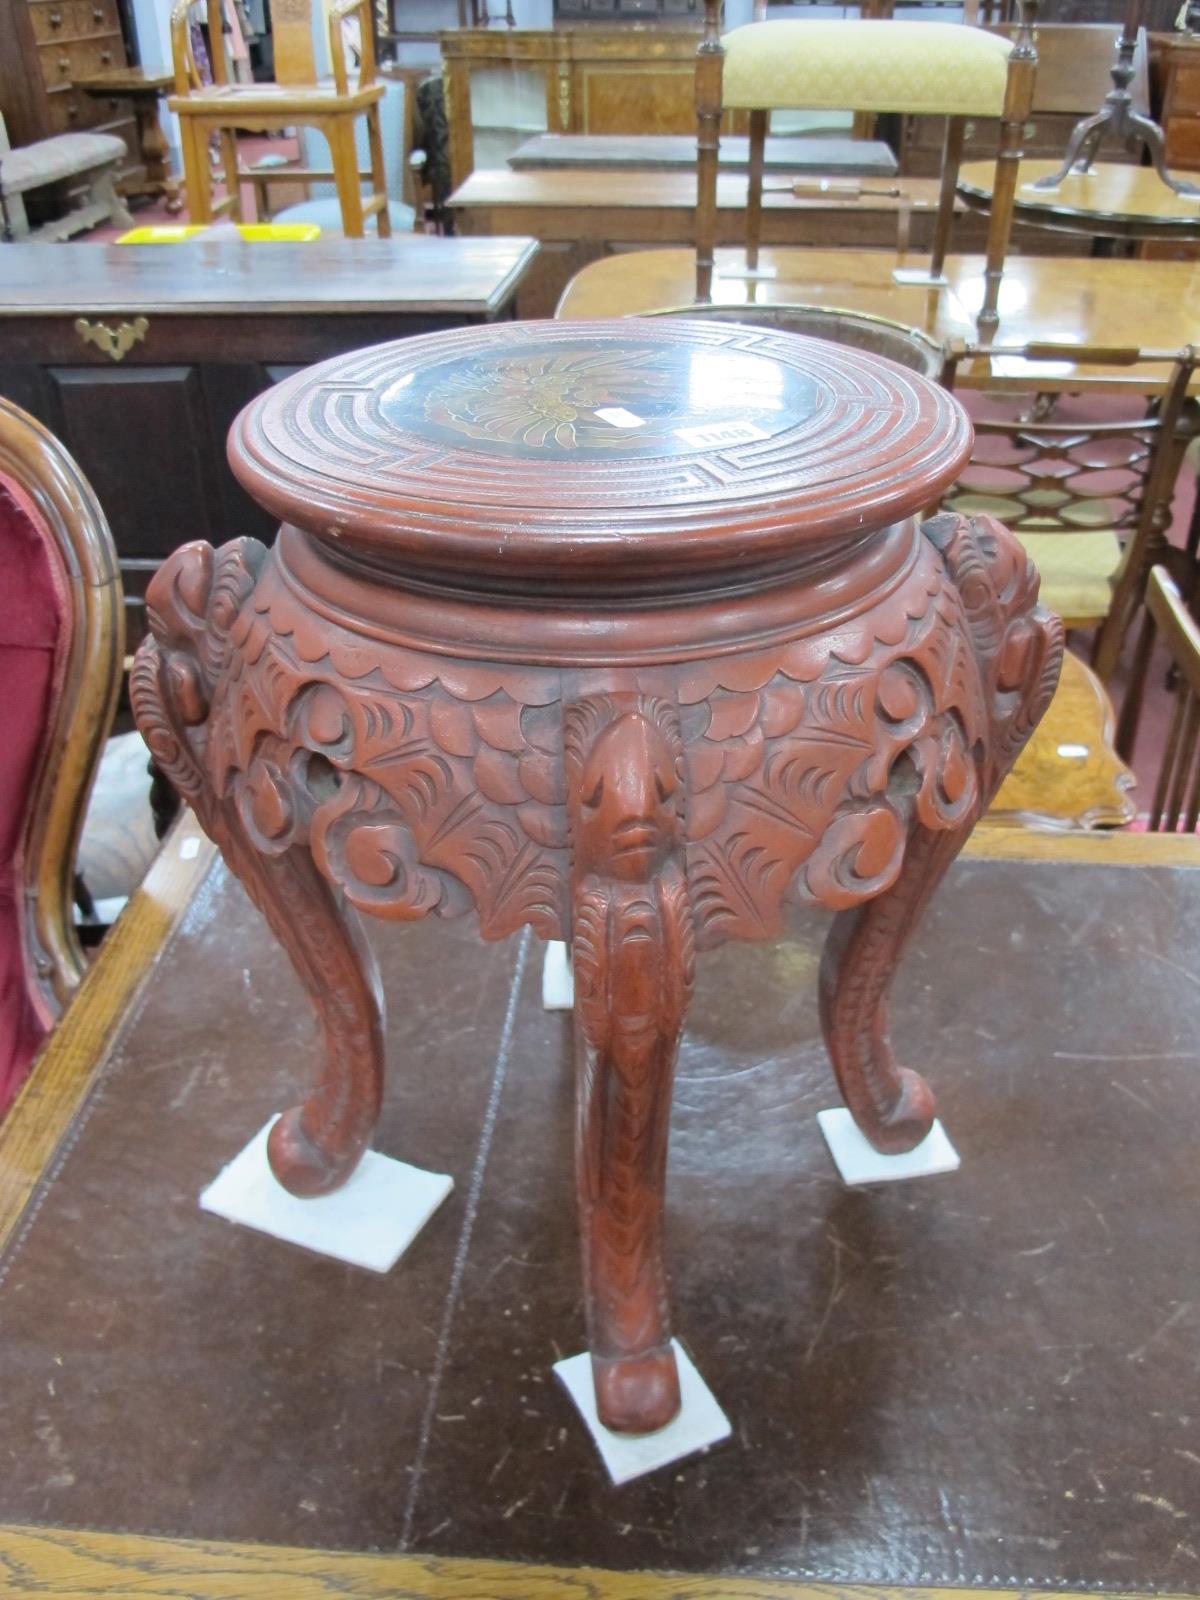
(946, 69)
(1085, 482)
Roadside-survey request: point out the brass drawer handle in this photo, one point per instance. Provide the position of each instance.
(64, 64)
(114, 343)
(55, 19)
(106, 57)
(97, 14)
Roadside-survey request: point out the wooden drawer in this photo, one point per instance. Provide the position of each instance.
(1183, 96)
(1045, 139)
(71, 111)
(1183, 141)
(59, 21)
(63, 63)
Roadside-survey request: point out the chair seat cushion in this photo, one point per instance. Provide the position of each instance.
(51, 160)
(1077, 571)
(939, 68)
(272, 99)
(327, 214)
(31, 630)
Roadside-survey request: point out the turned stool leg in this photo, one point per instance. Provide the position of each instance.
(633, 950)
(181, 674)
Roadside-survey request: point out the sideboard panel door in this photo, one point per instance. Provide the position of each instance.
(143, 439)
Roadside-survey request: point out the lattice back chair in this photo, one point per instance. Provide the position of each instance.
(1177, 790)
(61, 657)
(938, 68)
(295, 98)
(1084, 478)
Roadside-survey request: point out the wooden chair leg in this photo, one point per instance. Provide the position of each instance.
(229, 160)
(345, 171)
(383, 220)
(197, 174)
(1018, 101)
(952, 147)
(710, 59)
(754, 186)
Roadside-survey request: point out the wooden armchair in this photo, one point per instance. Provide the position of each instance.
(294, 98)
(1166, 618)
(1085, 482)
(61, 656)
(946, 69)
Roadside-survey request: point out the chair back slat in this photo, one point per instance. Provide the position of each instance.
(1177, 789)
(1177, 761)
(291, 29)
(1193, 804)
(1167, 766)
(1046, 474)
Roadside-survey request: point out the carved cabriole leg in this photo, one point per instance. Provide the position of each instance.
(1018, 652)
(892, 1105)
(180, 672)
(633, 947)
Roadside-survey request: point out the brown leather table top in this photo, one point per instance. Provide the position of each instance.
(981, 1379)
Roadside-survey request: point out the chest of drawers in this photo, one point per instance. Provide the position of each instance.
(48, 44)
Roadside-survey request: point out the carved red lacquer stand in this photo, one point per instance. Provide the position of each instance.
(625, 631)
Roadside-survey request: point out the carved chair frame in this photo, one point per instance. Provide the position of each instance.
(34, 462)
(1162, 434)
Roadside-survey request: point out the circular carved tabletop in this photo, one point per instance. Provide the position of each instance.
(626, 447)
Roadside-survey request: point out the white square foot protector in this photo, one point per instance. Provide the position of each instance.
(920, 278)
(859, 1162)
(558, 981)
(700, 1422)
(369, 1222)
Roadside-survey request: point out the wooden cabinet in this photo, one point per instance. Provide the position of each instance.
(221, 323)
(628, 10)
(44, 46)
(1181, 103)
(596, 80)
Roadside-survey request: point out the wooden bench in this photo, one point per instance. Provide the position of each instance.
(91, 156)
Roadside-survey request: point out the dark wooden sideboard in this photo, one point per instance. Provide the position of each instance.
(140, 358)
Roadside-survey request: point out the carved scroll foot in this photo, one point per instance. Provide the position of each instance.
(179, 688)
(633, 950)
(637, 1394)
(1012, 649)
(315, 1146)
(893, 1106)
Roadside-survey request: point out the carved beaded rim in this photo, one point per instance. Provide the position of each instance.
(631, 443)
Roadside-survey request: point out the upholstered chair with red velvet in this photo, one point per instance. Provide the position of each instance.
(61, 651)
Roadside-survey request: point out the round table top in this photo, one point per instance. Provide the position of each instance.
(1111, 200)
(628, 446)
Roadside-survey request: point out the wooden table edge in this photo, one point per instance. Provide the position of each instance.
(84, 1563)
(81, 1564)
(519, 268)
(147, 303)
(68, 1063)
(1117, 847)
